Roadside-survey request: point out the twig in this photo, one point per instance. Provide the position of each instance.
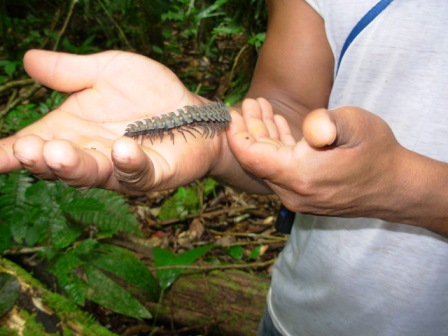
(14, 102)
(247, 243)
(54, 23)
(13, 84)
(236, 61)
(64, 26)
(24, 250)
(120, 31)
(248, 235)
(216, 267)
(210, 214)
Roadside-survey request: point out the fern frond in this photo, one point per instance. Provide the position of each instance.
(14, 208)
(105, 210)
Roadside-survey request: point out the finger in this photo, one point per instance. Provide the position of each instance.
(81, 168)
(284, 130)
(8, 162)
(134, 171)
(253, 117)
(28, 150)
(237, 125)
(319, 128)
(268, 118)
(256, 156)
(239, 136)
(62, 71)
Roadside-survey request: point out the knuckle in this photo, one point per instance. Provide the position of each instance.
(135, 181)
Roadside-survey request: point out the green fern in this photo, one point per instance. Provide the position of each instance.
(89, 270)
(55, 215)
(14, 212)
(105, 210)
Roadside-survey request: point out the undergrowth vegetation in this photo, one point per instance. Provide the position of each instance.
(212, 46)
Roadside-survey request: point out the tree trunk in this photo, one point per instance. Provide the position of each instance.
(37, 311)
(218, 303)
(215, 303)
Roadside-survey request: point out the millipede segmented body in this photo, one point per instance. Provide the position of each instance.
(206, 120)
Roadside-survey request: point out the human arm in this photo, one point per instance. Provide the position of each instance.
(82, 143)
(345, 162)
(348, 164)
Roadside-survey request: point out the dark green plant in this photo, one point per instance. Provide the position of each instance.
(164, 259)
(67, 225)
(55, 215)
(9, 292)
(187, 200)
(25, 114)
(90, 270)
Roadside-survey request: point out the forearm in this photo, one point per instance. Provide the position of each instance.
(419, 193)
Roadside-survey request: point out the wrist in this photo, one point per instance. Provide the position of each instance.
(419, 193)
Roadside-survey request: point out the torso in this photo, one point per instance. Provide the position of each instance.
(363, 276)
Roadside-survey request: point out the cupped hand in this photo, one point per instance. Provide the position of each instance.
(82, 143)
(345, 164)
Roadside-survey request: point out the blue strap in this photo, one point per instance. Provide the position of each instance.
(364, 22)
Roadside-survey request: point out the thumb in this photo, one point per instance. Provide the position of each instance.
(61, 71)
(344, 126)
(319, 129)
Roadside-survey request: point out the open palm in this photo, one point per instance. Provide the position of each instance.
(81, 142)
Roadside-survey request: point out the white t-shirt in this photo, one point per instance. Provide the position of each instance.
(362, 277)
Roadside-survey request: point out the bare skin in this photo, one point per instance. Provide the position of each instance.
(344, 162)
(351, 167)
(82, 143)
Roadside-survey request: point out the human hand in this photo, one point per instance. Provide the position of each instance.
(345, 164)
(81, 142)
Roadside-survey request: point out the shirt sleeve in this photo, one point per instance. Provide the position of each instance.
(314, 5)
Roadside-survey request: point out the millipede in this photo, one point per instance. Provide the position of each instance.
(206, 120)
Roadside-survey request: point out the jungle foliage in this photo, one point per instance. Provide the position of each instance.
(212, 46)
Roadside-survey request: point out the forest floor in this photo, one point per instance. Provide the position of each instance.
(239, 225)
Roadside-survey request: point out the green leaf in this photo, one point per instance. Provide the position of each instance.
(255, 254)
(54, 101)
(125, 265)
(184, 202)
(83, 204)
(110, 295)
(5, 237)
(157, 50)
(48, 223)
(236, 252)
(227, 30)
(209, 186)
(163, 258)
(9, 67)
(257, 40)
(210, 11)
(20, 117)
(105, 210)
(69, 271)
(14, 209)
(9, 292)
(62, 234)
(86, 248)
(40, 192)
